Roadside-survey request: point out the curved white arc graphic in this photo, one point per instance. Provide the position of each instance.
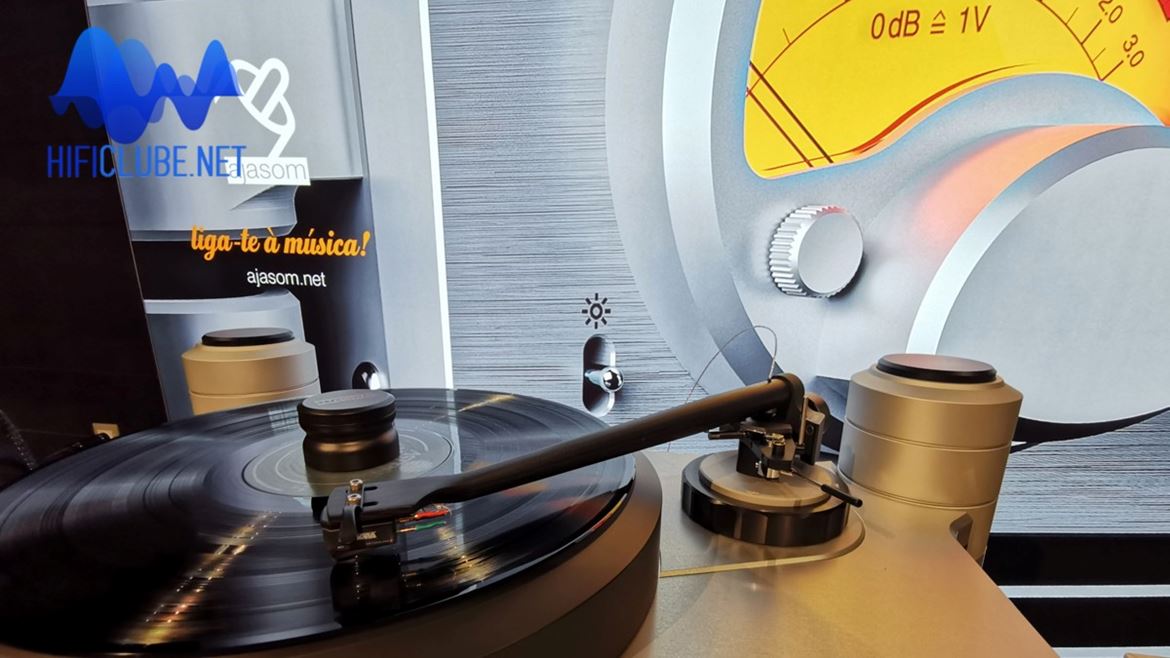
(1063, 274)
(934, 311)
(688, 101)
(635, 59)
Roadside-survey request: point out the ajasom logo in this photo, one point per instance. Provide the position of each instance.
(124, 89)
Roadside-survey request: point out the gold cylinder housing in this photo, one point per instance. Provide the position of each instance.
(241, 367)
(932, 432)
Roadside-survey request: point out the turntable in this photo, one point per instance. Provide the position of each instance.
(440, 522)
(437, 522)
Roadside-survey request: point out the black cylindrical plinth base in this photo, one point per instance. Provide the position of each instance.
(802, 525)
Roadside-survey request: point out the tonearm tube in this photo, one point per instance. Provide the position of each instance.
(776, 424)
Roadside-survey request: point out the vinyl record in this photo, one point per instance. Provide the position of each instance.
(198, 537)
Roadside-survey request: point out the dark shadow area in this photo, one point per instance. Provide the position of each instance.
(1087, 560)
(74, 348)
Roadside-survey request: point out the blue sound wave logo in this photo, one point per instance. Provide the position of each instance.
(124, 89)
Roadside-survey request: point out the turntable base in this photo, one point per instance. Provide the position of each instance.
(891, 584)
(198, 538)
(535, 615)
(903, 591)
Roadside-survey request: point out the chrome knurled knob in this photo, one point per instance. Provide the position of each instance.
(815, 251)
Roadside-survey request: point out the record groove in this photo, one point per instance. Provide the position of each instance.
(185, 539)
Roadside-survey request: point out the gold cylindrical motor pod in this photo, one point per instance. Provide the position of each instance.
(934, 432)
(241, 367)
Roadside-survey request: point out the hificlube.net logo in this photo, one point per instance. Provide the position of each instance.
(121, 87)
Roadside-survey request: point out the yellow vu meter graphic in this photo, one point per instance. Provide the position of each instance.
(830, 82)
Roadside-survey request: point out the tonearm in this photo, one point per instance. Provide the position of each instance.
(777, 426)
